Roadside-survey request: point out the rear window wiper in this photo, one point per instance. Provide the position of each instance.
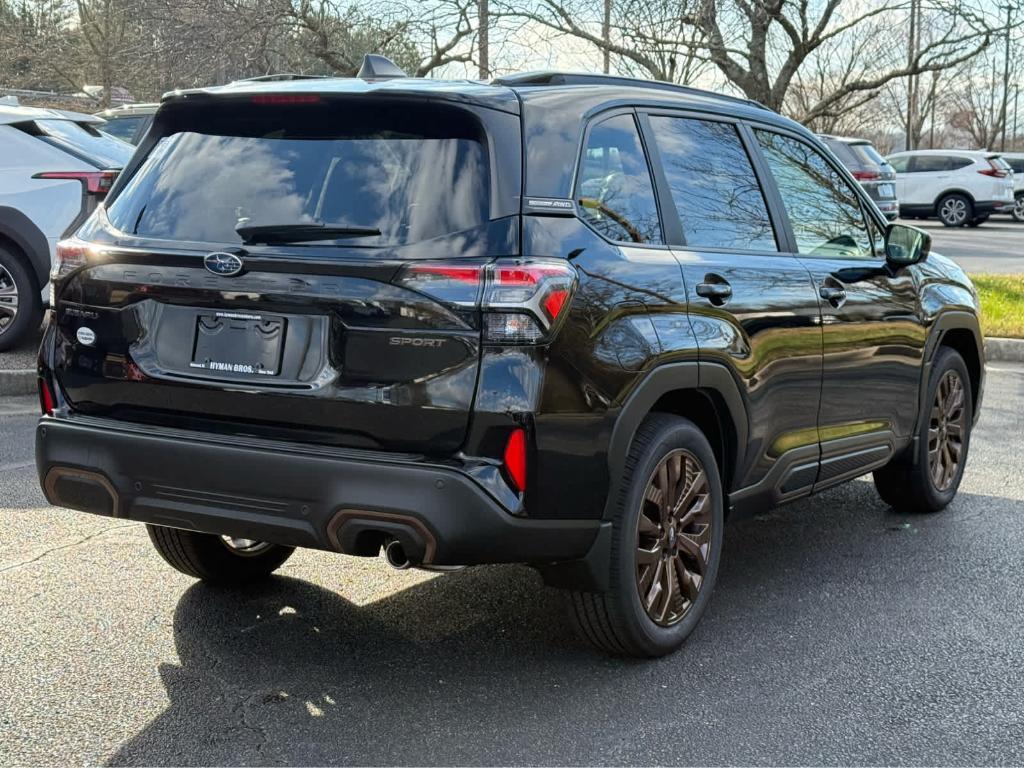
(298, 233)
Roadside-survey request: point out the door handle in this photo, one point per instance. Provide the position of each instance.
(833, 295)
(716, 293)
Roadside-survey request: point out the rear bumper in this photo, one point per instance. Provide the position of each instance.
(293, 495)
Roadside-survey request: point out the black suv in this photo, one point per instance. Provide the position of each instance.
(565, 320)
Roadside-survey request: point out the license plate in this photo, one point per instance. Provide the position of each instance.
(886, 190)
(238, 343)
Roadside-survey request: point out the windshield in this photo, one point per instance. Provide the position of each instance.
(385, 172)
(87, 143)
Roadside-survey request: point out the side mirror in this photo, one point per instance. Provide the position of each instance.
(906, 245)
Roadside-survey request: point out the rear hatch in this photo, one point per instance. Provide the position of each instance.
(262, 272)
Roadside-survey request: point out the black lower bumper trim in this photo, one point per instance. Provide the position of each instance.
(291, 496)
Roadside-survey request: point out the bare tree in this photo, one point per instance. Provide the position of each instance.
(761, 46)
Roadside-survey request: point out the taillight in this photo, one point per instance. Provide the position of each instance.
(993, 170)
(866, 175)
(521, 299)
(94, 182)
(71, 254)
(47, 401)
(514, 459)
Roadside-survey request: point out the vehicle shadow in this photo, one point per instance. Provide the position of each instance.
(479, 666)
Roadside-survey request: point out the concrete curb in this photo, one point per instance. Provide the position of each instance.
(1004, 350)
(996, 351)
(18, 382)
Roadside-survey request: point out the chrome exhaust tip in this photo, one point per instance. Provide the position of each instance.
(394, 553)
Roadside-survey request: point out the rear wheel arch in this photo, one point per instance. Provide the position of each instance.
(704, 393)
(19, 234)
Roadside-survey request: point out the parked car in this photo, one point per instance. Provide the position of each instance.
(128, 122)
(524, 321)
(1016, 162)
(960, 187)
(869, 168)
(55, 166)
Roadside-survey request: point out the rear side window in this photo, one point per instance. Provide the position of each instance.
(85, 143)
(1016, 164)
(823, 209)
(713, 184)
(614, 191)
(932, 163)
(899, 164)
(407, 172)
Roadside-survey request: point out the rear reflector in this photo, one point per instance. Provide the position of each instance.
(515, 459)
(47, 402)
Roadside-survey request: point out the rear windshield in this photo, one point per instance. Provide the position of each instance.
(867, 154)
(410, 175)
(85, 142)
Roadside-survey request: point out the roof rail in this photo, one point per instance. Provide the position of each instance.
(553, 77)
(282, 77)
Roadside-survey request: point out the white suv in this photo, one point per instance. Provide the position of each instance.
(959, 186)
(54, 167)
(1016, 161)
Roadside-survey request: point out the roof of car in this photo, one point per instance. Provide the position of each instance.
(843, 139)
(982, 153)
(502, 93)
(145, 108)
(9, 115)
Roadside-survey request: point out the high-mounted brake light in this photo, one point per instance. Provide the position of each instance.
(271, 99)
(94, 182)
(521, 299)
(515, 459)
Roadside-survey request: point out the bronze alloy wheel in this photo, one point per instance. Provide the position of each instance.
(946, 431)
(673, 537)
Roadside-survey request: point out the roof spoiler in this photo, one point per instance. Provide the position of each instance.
(377, 67)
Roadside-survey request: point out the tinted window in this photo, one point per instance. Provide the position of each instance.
(930, 163)
(956, 163)
(823, 209)
(1016, 164)
(843, 151)
(387, 169)
(123, 128)
(899, 164)
(867, 154)
(614, 191)
(86, 143)
(713, 184)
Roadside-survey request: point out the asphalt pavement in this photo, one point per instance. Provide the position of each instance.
(996, 247)
(840, 633)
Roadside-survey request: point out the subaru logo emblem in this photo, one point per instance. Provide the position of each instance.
(223, 264)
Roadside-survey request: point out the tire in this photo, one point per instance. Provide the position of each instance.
(208, 557)
(910, 484)
(21, 308)
(954, 210)
(616, 621)
(977, 221)
(1018, 207)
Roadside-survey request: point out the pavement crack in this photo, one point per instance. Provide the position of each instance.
(69, 545)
